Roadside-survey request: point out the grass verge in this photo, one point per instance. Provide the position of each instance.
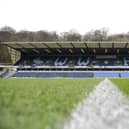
(40, 103)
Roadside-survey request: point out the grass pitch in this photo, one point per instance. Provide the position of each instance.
(40, 103)
(122, 84)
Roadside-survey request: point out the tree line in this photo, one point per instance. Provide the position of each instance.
(10, 34)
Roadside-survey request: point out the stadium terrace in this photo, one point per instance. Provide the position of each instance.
(69, 59)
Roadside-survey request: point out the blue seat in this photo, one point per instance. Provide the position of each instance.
(80, 74)
(125, 74)
(105, 74)
(54, 74)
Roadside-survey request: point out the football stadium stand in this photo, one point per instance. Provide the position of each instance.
(69, 59)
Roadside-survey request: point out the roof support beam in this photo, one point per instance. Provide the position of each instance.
(48, 47)
(112, 44)
(72, 45)
(45, 45)
(99, 45)
(41, 44)
(33, 45)
(126, 45)
(59, 51)
(59, 45)
(70, 50)
(35, 50)
(85, 45)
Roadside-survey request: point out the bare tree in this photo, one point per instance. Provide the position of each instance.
(72, 35)
(8, 29)
(96, 35)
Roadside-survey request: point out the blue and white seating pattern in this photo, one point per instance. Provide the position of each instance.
(78, 62)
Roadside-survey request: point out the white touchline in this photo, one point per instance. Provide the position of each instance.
(105, 108)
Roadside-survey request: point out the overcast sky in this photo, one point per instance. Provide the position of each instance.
(64, 15)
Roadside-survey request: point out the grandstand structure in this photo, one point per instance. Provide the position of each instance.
(70, 59)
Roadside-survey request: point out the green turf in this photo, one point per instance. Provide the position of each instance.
(123, 85)
(40, 103)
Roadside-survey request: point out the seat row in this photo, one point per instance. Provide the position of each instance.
(73, 74)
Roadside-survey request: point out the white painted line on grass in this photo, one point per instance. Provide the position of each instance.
(105, 108)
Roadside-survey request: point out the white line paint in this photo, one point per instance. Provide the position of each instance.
(105, 108)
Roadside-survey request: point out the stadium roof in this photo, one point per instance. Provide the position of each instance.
(35, 46)
(68, 44)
